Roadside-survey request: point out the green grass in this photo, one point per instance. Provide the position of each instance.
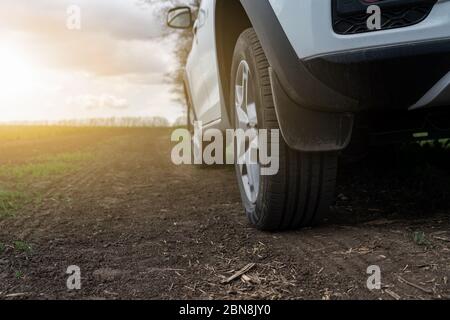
(18, 245)
(45, 166)
(22, 246)
(66, 157)
(442, 143)
(420, 238)
(35, 170)
(10, 202)
(42, 167)
(434, 153)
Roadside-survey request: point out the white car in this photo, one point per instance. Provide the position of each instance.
(332, 84)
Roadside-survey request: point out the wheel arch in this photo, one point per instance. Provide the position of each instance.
(312, 116)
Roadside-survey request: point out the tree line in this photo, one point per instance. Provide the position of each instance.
(124, 122)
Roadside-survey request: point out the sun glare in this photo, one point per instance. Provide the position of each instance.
(16, 71)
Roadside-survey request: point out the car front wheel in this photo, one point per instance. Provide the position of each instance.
(302, 191)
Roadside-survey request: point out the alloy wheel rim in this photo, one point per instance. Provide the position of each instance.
(247, 120)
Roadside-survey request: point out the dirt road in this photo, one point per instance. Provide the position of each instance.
(140, 227)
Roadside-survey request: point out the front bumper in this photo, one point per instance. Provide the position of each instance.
(350, 16)
(390, 78)
(308, 25)
(392, 81)
(316, 98)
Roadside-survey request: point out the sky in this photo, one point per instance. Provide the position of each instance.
(77, 59)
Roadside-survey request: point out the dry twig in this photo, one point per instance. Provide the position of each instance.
(409, 283)
(393, 294)
(240, 273)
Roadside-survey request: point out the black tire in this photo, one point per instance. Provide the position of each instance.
(301, 194)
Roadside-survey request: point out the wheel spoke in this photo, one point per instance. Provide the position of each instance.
(254, 173)
(239, 96)
(248, 165)
(245, 85)
(251, 113)
(242, 118)
(242, 157)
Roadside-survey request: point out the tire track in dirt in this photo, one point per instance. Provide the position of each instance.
(327, 258)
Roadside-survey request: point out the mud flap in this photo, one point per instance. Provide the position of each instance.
(308, 130)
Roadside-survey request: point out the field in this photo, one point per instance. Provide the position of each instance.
(111, 202)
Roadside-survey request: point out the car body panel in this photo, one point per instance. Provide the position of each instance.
(308, 25)
(201, 68)
(311, 61)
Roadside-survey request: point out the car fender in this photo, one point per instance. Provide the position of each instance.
(312, 116)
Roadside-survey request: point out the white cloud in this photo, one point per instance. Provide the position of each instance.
(120, 18)
(116, 36)
(114, 66)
